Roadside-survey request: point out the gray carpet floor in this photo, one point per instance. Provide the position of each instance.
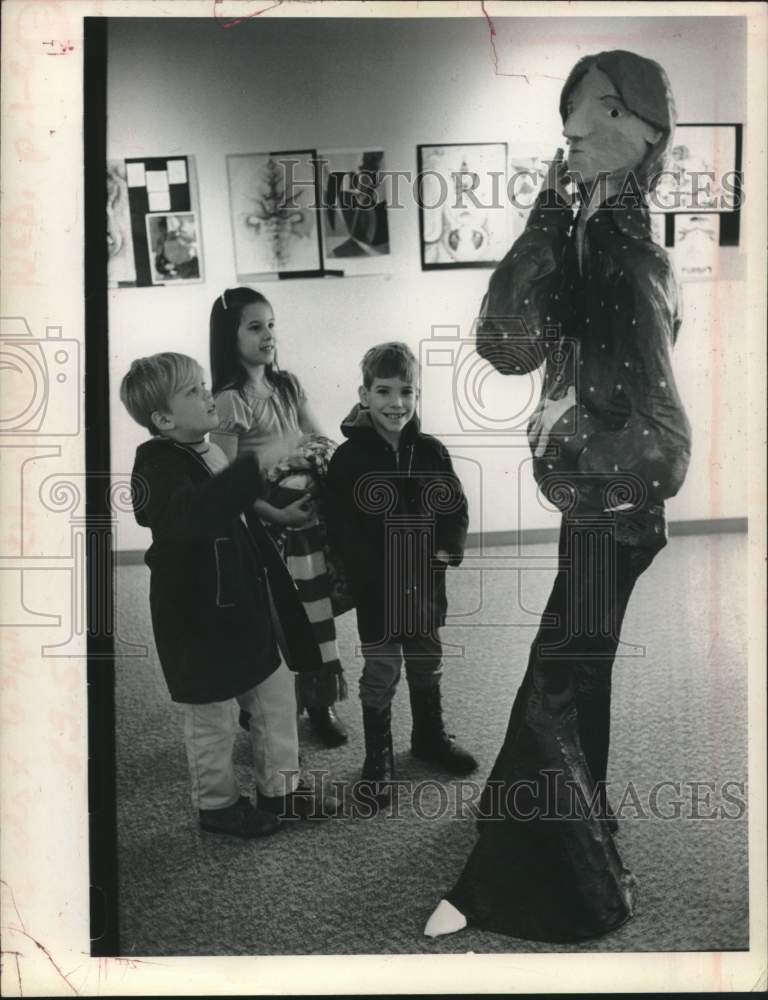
(360, 886)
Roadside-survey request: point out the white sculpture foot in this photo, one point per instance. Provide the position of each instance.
(445, 919)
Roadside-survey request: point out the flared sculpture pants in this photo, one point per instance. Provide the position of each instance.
(545, 866)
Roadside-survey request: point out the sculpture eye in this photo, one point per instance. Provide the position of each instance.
(615, 113)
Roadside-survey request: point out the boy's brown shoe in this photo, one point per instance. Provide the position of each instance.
(241, 819)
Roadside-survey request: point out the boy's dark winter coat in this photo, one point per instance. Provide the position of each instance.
(414, 490)
(210, 612)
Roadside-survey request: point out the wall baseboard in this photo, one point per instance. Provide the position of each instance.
(539, 536)
(535, 536)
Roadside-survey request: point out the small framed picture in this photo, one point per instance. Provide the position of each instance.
(174, 248)
(462, 198)
(696, 251)
(703, 172)
(355, 210)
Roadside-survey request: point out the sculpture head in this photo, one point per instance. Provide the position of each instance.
(618, 116)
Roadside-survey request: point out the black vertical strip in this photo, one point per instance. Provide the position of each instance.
(138, 201)
(181, 200)
(100, 671)
(316, 208)
(737, 186)
(729, 229)
(669, 230)
(420, 201)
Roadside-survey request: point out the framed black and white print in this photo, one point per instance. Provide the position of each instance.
(174, 247)
(139, 188)
(703, 172)
(696, 204)
(273, 201)
(462, 199)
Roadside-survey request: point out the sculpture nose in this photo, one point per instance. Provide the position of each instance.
(576, 125)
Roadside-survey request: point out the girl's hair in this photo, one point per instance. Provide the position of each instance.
(226, 370)
(152, 382)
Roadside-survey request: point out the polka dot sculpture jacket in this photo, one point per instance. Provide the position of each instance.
(605, 330)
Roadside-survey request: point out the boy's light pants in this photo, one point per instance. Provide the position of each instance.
(209, 736)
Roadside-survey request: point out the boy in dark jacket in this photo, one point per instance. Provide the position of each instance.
(398, 515)
(217, 588)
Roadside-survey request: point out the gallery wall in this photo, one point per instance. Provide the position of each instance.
(194, 88)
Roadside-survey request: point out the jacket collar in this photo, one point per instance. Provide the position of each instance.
(358, 423)
(167, 443)
(626, 212)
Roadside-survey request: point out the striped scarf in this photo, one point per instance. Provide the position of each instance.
(303, 551)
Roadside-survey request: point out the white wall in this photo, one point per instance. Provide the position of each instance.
(193, 87)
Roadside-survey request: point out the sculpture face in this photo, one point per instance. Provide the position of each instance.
(603, 135)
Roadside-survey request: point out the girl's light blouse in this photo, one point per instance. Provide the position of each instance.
(265, 426)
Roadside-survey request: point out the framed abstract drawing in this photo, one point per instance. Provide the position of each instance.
(273, 200)
(355, 210)
(142, 189)
(462, 199)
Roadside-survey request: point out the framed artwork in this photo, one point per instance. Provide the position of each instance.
(703, 173)
(138, 188)
(354, 210)
(697, 202)
(121, 266)
(273, 200)
(462, 198)
(696, 249)
(173, 244)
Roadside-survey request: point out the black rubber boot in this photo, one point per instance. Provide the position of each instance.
(379, 765)
(429, 740)
(327, 726)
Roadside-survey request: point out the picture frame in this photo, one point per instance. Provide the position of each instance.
(699, 149)
(273, 200)
(461, 197)
(139, 187)
(173, 241)
(355, 209)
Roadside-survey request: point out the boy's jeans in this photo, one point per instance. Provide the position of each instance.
(383, 662)
(209, 736)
